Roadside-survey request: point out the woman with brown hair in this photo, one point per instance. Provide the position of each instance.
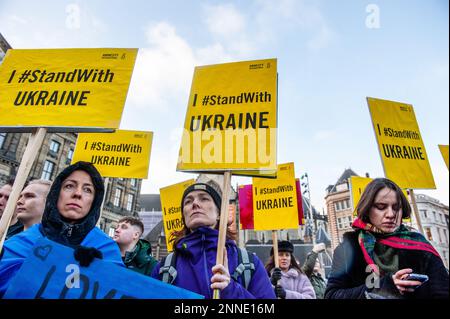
(289, 280)
(378, 258)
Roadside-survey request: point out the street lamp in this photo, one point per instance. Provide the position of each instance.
(309, 215)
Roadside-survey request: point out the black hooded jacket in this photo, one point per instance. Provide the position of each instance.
(54, 226)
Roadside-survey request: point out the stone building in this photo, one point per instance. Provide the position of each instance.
(339, 208)
(434, 218)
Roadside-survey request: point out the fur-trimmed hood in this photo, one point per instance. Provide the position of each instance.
(54, 226)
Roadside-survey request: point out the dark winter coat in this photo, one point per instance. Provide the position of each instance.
(140, 259)
(317, 281)
(348, 276)
(196, 256)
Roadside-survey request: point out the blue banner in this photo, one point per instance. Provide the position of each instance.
(51, 272)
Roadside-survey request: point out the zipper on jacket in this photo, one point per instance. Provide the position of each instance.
(208, 280)
(69, 231)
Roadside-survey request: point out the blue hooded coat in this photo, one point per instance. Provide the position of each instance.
(196, 256)
(54, 227)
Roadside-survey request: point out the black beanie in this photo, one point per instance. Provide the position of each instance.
(206, 188)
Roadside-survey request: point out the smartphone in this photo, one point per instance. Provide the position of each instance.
(417, 277)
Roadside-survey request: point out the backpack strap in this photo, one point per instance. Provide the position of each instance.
(245, 268)
(168, 271)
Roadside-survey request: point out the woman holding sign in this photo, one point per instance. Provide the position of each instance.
(71, 213)
(193, 264)
(381, 258)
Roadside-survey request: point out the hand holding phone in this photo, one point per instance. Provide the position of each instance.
(417, 277)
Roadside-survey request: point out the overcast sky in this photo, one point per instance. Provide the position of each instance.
(331, 56)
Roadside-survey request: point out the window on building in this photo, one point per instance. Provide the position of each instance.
(54, 146)
(130, 200)
(47, 172)
(117, 197)
(111, 232)
(349, 219)
(339, 221)
(347, 203)
(337, 206)
(428, 233)
(133, 182)
(342, 205)
(446, 235)
(70, 154)
(2, 139)
(422, 213)
(434, 216)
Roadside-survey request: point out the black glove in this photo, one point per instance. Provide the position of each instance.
(85, 255)
(280, 292)
(276, 275)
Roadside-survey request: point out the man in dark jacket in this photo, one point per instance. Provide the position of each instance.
(136, 253)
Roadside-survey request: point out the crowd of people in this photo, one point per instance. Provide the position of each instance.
(375, 260)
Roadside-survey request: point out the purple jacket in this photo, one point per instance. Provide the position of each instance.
(297, 285)
(196, 255)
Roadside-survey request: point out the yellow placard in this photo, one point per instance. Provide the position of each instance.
(124, 154)
(357, 186)
(444, 152)
(400, 144)
(231, 119)
(171, 207)
(70, 90)
(275, 200)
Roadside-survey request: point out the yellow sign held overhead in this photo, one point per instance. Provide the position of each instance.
(400, 144)
(71, 90)
(275, 200)
(231, 119)
(444, 152)
(172, 210)
(124, 154)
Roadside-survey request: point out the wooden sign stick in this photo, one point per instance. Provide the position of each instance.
(223, 224)
(275, 248)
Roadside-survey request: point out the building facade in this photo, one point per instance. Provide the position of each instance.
(434, 218)
(339, 208)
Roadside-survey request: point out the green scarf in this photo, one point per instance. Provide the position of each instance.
(380, 249)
